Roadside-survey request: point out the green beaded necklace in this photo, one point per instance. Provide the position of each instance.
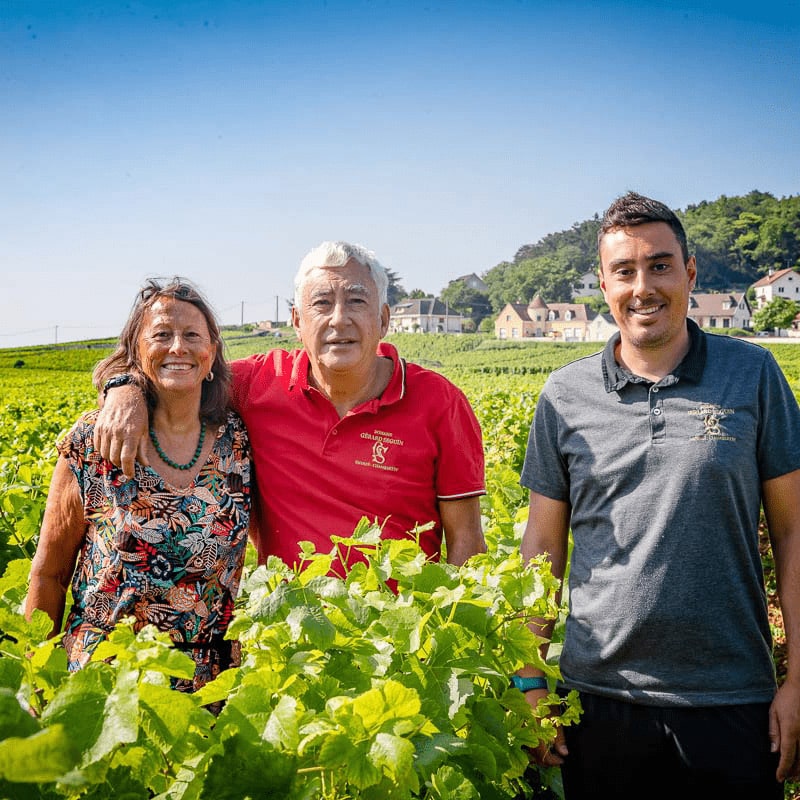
(167, 460)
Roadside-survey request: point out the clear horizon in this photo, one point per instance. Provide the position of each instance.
(223, 140)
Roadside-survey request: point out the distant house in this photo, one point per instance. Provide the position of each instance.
(427, 315)
(587, 286)
(600, 328)
(720, 310)
(569, 322)
(783, 283)
(513, 322)
(271, 325)
(472, 281)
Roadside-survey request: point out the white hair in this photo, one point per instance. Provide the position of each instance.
(337, 254)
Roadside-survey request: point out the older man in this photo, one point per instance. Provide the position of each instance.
(343, 428)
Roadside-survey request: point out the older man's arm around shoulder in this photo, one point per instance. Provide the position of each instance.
(461, 520)
(120, 432)
(546, 532)
(781, 498)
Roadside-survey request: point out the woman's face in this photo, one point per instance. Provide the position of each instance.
(175, 348)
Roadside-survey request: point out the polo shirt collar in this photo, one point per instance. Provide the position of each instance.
(394, 391)
(615, 377)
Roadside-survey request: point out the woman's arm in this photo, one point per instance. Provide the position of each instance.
(60, 539)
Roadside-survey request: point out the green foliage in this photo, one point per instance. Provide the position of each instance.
(735, 239)
(595, 302)
(775, 315)
(395, 290)
(347, 688)
(552, 276)
(471, 303)
(27, 456)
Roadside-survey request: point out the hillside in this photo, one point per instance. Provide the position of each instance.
(736, 240)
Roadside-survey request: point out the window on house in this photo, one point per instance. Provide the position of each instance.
(726, 323)
(712, 322)
(515, 333)
(780, 289)
(508, 317)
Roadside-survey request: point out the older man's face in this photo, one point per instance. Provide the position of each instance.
(341, 320)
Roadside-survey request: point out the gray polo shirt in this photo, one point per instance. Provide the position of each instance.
(666, 596)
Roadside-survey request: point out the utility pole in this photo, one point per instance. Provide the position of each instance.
(56, 335)
(241, 324)
(277, 313)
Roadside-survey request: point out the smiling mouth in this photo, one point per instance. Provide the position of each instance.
(646, 311)
(177, 367)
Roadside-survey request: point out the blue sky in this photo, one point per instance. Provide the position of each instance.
(223, 140)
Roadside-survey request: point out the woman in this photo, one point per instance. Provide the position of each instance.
(166, 547)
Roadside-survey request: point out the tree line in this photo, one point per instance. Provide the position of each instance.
(736, 240)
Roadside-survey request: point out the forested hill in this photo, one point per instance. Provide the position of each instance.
(736, 240)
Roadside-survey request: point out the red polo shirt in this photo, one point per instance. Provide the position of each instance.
(390, 459)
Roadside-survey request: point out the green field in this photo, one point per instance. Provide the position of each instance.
(347, 690)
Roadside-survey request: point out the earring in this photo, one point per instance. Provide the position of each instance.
(210, 376)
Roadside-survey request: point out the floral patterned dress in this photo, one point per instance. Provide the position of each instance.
(168, 557)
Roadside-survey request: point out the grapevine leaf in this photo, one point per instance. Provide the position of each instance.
(281, 729)
(449, 783)
(311, 621)
(394, 756)
(80, 705)
(248, 770)
(173, 720)
(43, 757)
(338, 752)
(14, 720)
(403, 625)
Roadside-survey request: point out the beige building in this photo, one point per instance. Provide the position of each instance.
(565, 322)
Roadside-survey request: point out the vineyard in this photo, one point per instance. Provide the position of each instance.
(347, 688)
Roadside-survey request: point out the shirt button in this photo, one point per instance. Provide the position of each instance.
(335, 432)
(656, 412)
(655, 388)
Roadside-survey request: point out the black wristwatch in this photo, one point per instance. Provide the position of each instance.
(118, 380)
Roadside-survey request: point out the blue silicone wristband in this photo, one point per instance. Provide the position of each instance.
(527, 684)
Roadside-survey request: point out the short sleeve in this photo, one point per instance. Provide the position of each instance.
(241, 375)
(460, 468)
(544, 470)
(779, 423)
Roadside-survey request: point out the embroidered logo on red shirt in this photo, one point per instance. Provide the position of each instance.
(382, 442)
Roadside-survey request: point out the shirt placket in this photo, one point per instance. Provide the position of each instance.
(658, 428)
